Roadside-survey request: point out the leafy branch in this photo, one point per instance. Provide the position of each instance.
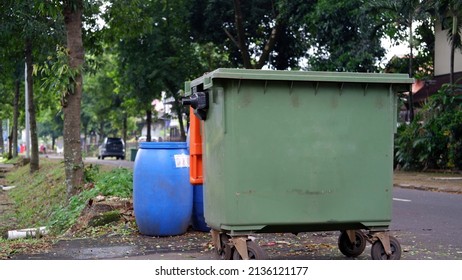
(57, 76)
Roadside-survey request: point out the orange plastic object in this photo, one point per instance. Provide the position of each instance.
(195, 152)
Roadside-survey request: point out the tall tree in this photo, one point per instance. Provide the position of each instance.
(22, 28)
(405, 13)
(5, 113)
(155, 51)
(29, 27)
(34, 153)
(255, 32)
(50, 125)
(449, 13)
(344, 37)
(180, 57)
(10, 83)
(131, 26)
(14, 131)
(72, 12)
(102, 108)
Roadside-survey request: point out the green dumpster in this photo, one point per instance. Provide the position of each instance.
(288, 151)
(133, 152)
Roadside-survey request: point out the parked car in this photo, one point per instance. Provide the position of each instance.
(112, 147)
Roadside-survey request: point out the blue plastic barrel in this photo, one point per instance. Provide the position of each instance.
(198, 220)
(162, 194)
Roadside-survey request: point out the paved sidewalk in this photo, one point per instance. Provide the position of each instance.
(429, 181)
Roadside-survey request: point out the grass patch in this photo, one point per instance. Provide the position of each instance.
(40, 199)
(35, 196)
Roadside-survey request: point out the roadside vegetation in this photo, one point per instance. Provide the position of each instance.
(40, 200)
(433, 140)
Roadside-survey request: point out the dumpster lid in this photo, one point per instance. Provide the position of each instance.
(309, 76)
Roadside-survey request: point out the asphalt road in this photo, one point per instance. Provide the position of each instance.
(110, 161)
(428, 224)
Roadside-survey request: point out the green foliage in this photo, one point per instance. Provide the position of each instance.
(65, 215)
(344, 41)
(449, 13)
(90, 173)
(214, 21)
(104, 102)
(56, 74)
(434, 139)
(118, 182)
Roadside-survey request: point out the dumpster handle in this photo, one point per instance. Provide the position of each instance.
(200, 102)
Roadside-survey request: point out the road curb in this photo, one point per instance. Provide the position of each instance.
(455, 190)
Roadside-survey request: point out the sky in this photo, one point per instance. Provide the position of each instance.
(399, 50)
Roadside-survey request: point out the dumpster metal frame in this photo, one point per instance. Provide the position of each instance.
(212, 89)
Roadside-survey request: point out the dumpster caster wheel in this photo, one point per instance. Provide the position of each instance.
(352, 249)
(226, 251)
(254, 251)
(378, 251)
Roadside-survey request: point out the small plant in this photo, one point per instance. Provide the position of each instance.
(90, 173)
(5, 156)
(118, 182)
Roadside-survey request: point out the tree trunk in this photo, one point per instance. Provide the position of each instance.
(411, 73)
(101, 133)
(148, 125)
(72, 11)
(2, 143)
(124, 131)
(34, 153)
(453, 49)
(14, 130)
(269, 46)
(241, 35)
(451, 73)
(179, 112)
(84, 143)
(10, 145)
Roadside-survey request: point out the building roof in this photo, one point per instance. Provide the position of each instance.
(423, 89)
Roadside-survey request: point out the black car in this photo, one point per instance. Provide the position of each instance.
(112, 147)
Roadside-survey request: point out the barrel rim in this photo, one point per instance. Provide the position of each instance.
(163, 145)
